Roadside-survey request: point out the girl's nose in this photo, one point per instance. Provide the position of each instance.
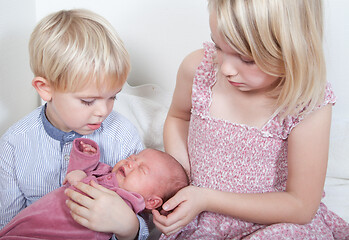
(228, 66)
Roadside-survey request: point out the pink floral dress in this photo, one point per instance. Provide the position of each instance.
(237, 158)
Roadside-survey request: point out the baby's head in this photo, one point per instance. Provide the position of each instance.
(75, 48)
(154, 174)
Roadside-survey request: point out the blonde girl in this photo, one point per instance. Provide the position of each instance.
(250, 121)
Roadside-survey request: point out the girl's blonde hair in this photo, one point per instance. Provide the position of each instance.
(77, 47)
(284, 37)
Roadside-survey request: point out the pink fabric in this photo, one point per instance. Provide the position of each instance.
(238, 158)
(49, 217)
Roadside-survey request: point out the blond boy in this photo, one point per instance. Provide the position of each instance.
(79, 65)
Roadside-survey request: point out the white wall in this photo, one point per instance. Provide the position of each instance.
(337, 54)
(17, 97)
(157, 33)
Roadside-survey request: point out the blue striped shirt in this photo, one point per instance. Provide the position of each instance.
(34, 157)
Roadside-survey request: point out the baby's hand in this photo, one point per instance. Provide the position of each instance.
(87, 148)
(74, 176)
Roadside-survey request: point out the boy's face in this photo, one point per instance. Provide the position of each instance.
(141, 173)
(82, 111)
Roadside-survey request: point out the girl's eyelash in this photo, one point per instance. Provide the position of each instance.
(218, 48)
(114, 97)
(247, 61)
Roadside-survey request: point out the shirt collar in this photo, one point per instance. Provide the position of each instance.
(55, 133)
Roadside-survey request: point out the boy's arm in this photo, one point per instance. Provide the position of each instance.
(118, 217)
(11, 197)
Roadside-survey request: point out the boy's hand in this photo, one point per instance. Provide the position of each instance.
(103, 211)
(74, 176)
(185, 206)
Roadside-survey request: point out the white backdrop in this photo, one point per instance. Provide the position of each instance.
(157, 33)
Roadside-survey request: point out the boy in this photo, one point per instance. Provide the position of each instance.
(144, 181)
(79, 65)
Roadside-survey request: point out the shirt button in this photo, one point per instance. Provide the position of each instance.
(66, 157)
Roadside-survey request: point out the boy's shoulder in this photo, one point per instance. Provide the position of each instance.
(118, 135)
(119, 126)
(31, 122)
(116, 119)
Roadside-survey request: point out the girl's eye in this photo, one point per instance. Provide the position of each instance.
(217, 48)
(247, 60)
(87, 102)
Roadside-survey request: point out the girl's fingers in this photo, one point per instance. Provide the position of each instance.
(161, 223)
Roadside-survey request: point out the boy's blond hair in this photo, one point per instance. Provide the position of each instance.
(284, 37)
(71, 49)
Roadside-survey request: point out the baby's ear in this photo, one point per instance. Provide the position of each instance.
(42, 86)
(153, 202)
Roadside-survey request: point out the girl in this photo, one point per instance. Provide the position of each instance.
(251, 123)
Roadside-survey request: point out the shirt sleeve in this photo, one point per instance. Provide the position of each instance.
(12, 200)
(143, 229)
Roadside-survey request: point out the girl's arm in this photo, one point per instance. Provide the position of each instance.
(177, 121)
(308, 146)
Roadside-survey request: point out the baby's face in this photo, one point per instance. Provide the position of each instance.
(141, 173)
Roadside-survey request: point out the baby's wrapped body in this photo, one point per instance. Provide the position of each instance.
(50, 218)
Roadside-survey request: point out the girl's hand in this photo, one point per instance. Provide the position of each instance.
(102, 210)
(186, 205)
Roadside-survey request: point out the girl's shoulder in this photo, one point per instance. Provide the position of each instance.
(282, 129)
(201, 60)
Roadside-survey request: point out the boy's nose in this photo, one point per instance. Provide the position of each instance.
(101, 109)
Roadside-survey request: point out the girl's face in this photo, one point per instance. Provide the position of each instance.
(82, 111)
(239, 71)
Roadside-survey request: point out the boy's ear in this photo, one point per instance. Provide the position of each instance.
(42, 86)
(153, 202)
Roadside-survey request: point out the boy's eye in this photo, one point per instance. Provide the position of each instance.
(87, 102)
(113, 98)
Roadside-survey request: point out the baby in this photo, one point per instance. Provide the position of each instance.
(144, 181)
